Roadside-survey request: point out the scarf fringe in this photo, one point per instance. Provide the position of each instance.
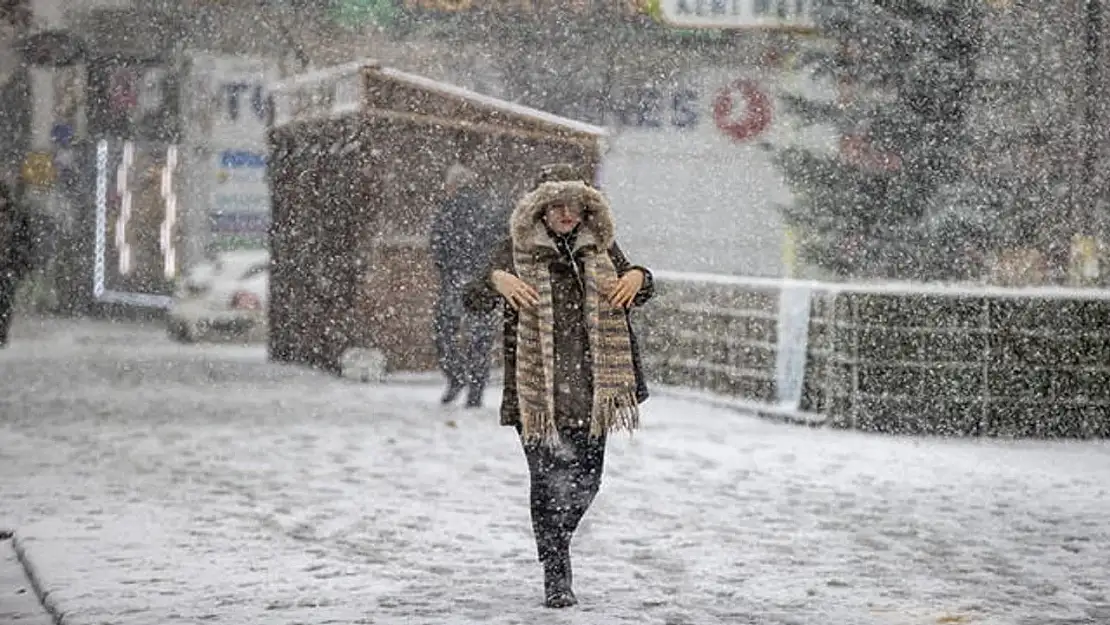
(542, 429)
(615, 412)
(611, 414)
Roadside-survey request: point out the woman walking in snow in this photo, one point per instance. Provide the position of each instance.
(572, 370)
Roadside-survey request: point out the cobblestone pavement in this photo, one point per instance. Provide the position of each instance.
(154, 483)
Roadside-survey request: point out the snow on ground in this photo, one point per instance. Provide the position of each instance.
(155, 483)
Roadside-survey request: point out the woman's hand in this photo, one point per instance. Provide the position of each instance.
(516, 291)
(627, 287)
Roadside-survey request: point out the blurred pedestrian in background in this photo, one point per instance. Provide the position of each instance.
(16, 255)
(465, 229)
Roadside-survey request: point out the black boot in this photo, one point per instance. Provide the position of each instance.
(452, 392)
(474, 397)
(557, 583)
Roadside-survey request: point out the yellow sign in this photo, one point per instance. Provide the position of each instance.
(1085, 260)
(790, 253)
(38, 169)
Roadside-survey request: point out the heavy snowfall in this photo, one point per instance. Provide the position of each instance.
(867, 212)
(156, 483)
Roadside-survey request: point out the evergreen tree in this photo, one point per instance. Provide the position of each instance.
(906, 74)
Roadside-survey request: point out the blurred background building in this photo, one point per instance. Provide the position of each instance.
(74, 72)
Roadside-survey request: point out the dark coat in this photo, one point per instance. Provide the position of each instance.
(16, 240)
(465, 229)
(573, 386)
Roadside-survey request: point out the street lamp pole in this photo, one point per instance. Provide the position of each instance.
(1086, 223)
(1093, 23)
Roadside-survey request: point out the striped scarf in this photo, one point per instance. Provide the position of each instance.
(614, 379)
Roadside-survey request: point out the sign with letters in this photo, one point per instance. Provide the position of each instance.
(319, 94)
(241, 97)
(674, 106)
(230, 114)
(796, 15)
(230, 97)
(688, 154)
(526, 7)
(742, 109)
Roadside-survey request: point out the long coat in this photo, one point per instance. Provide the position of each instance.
(16, 241)
(464, 230)
(573, 387)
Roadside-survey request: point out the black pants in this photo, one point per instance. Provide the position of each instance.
(7, 304)
(564, 484)
(465, 363)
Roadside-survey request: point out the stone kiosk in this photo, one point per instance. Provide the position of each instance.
(358, 157)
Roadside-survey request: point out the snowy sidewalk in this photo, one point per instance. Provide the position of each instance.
(154, 483)
(18, 603)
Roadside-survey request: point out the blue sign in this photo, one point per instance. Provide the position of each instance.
(242, 159)
(62, 134)
(242, 222)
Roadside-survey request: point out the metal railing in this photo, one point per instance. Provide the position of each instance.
(898, 357)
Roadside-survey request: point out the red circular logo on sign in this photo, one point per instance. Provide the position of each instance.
(757, 117)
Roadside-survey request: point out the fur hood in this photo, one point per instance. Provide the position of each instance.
(528, 230)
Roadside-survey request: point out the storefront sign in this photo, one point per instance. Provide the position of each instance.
(319, 94)
(239, 212)
(226, 188)
(796, 15)
(656, 107)
(526, 7)
(742, 109)
(242, 98)
(702, 174)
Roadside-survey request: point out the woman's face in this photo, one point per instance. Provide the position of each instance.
(562, 218)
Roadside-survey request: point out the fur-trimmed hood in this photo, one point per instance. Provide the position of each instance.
(598, 227)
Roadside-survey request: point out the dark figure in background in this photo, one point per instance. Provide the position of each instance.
(16, 249)
(572, 365)
(463, 234)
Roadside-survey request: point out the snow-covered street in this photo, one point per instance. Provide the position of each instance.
(149, 482)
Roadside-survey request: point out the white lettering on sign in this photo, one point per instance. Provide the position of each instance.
(318, 94)
(741, 14)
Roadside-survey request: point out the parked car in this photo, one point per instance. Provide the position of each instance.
(224, 300)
